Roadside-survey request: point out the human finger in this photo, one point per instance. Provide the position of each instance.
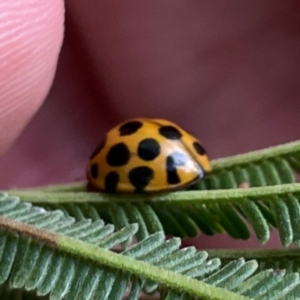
(31, 34)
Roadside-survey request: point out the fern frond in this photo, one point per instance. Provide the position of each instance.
(287, 258)
(34, 258)
(234, 211)
(52, 254)
(270, 166)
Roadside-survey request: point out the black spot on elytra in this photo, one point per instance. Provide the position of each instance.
(98, 149)
(94, 171)
(118, 155)
(199, 149)
(130, 127)
(111, 182)
(172, 176)
(148, 149)
(140, 177)
(170, 132)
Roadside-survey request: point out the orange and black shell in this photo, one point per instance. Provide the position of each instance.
(147, 155)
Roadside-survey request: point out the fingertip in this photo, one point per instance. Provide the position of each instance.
(31, 34)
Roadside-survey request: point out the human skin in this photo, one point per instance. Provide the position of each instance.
(229, 73)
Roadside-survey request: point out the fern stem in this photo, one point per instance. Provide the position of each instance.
(191, 197)
(144, 270)
(253, 156)
(79, 186)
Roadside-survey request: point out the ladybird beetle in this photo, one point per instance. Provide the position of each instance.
(146, 155)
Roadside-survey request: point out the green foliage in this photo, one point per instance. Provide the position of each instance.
(271, 166)
(66, 268)
(232, 211)
(66, 247)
